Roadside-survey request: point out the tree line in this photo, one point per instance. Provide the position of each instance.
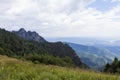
(114, 67)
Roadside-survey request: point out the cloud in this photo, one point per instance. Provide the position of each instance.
(60, 18)
(115, 0)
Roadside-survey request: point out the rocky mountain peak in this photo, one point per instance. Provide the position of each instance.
(22, 30)
(29, 35)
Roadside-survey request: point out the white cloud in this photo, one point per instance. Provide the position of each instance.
(64, 18)
(115, 0)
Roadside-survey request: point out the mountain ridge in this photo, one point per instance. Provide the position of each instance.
(93, 56)
(29, 35)
(14, 45)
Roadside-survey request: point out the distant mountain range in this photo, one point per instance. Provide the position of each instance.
(94, 53)
(96, 56)
(87, 41)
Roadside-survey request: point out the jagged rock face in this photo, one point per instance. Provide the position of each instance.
(33, 36)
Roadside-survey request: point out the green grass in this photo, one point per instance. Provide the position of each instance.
(13, 69)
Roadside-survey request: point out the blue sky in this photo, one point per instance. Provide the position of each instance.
(103, 5)
(63, 18)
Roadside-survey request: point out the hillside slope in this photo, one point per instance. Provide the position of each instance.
(13, 69)
(94, 57)
(15, 46)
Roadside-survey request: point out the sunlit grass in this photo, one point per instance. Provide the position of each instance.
(13, 69)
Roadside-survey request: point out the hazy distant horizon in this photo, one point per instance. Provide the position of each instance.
(85, 40)
(57, 38)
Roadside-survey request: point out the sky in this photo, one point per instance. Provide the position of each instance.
(63, 18)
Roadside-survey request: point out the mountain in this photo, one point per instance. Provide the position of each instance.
(94, 52)
(15, 46)
(115, 50)
(82, 40)
(94, 57)
(33, 36)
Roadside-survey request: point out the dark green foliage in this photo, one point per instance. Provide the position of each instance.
(49, 59)
(15, 46)
(114, 67)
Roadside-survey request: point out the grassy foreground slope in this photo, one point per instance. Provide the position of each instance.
(13, 69)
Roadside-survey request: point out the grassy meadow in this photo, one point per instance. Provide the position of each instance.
(13, 69)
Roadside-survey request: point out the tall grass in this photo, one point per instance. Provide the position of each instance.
(13, 69)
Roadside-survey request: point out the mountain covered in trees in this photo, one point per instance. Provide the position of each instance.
(37, 50)
(94, 57)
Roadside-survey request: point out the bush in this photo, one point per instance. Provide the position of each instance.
(114, 67)
(49, 59)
